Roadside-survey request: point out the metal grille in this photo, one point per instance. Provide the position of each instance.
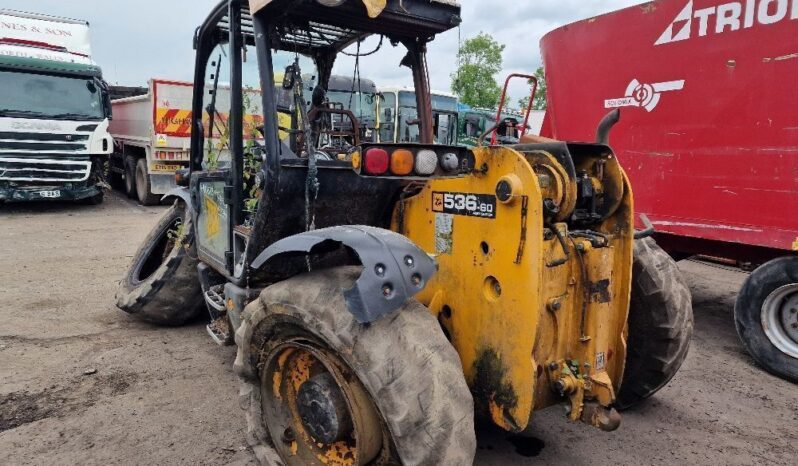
(29, 169)
(247, 26)
(313, 35)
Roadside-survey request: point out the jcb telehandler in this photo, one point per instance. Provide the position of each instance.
(381, 295)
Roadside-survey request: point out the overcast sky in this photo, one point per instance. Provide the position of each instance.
(137, 40)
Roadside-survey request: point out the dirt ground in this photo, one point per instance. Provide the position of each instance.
(84, 383)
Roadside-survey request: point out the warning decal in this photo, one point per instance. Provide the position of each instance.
(173, 122)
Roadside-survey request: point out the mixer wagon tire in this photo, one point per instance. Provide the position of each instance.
(766, 315)
(130, 176)
(660, 324)
(315, 383)
(162, 286)
(144, 185)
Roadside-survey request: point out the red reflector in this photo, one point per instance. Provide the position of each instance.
(376, 161)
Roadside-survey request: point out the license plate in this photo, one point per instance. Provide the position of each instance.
(161, 167)
(50, 194)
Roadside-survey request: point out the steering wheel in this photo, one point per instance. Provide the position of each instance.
(353, 134)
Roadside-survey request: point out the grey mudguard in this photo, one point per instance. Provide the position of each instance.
(394, 269)
(181, 193)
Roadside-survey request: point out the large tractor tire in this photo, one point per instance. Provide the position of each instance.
(161, 286)
(317, 384)
(766, 315)
(660, 324)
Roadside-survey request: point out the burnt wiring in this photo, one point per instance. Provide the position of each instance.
(366, 54)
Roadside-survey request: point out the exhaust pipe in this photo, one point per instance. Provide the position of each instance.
(606, 124)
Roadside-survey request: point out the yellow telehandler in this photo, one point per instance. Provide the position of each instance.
(383, 295)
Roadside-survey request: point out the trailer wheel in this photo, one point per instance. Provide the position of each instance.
(162, 286)
(766, 315)
(660, 324)
(143, 185)
(317, 384)
(130, 176)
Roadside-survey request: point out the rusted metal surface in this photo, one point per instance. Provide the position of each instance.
(289, 369)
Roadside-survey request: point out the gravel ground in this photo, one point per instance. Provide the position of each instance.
(84, 383)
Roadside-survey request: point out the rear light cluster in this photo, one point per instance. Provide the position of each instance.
(413, 160)
(171, 155)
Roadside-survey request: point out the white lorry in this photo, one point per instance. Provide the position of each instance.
(152, 138)
(54, 110)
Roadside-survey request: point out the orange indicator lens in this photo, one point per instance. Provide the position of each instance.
(401, 162)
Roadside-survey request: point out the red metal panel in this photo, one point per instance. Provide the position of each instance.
(709, 126)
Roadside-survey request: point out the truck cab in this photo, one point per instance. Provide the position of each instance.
(54, 112)
(399, 115)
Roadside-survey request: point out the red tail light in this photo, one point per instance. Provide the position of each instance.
(376, 161)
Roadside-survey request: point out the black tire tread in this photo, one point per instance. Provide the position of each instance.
(404, 360)
(146, 198)
(172, 295)
(660, 324)
(130, 176)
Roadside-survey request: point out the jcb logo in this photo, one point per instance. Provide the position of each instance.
(437, 202)
(731, 16)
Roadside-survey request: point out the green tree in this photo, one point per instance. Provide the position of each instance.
(480, 60)
(539, 103)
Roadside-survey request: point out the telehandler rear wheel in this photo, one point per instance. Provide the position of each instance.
(161, 286)
(317, 385)
(660, 324)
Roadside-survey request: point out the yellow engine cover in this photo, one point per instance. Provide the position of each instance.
(512, 301)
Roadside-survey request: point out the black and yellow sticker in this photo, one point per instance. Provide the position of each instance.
(471, 205)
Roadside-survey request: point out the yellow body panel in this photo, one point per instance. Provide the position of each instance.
(511, 299)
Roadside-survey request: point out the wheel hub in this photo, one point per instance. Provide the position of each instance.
(780, 319)
(316, 409)
(323, 409)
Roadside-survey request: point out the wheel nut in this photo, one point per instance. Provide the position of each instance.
(387, 290)
(379, 270)
(409, 261)
(554, 305)
(288, 435)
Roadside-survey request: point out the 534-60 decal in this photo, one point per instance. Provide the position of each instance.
(471, 205)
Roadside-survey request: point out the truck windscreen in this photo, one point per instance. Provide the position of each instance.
(28, 95)
(362, 105)
(444, 109)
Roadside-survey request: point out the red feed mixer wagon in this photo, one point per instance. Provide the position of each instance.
(708, 135)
